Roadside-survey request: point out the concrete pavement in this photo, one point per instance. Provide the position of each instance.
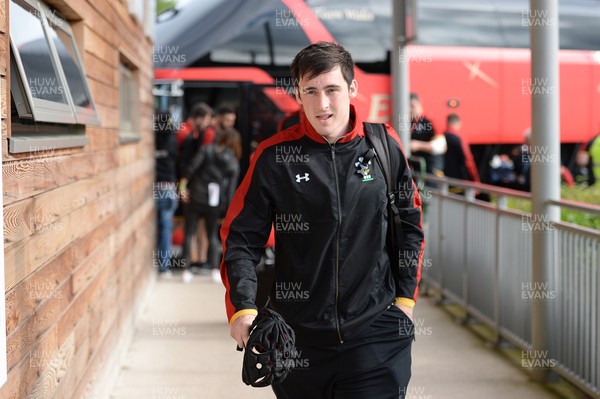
(182, 350)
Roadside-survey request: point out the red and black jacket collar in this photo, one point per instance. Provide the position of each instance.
(355, 121)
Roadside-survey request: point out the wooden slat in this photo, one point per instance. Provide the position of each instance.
(22, 377)
(98, 358)
(117, 270)
(101, 138)
(88, 270)
(3, 53)
(104, 94)
(130, 35)
(34, 214)
(87, 329)
(4, 125)
(3, 27)
(97, 69)
(99, 23)
(23, 338)
(80, 361)
(3, 103)
(41, 152)
(71, 323)
(25, 256)
(47, 383)
(109, 116)
(101, 358)
(97, 45)
(142, 218)
(32, 177)
(20, 304)
(69, 9)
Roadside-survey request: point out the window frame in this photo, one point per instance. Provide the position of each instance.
(83, 115)
(41, 110)
(129, 133)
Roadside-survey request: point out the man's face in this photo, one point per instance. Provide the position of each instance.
(226, 121)
(455, 126)
(416, 109)
(201, 122)
(326, 103)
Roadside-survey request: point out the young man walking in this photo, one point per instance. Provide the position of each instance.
(335, 284)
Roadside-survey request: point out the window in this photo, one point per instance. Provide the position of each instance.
(128, 104)
(48, 82)
(457, 27)
(577, 32)
(274, 38)
(364, 28)
(499, 23)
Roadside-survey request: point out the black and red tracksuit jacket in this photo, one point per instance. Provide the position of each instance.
(333, 274)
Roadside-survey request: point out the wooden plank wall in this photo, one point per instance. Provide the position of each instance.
(79, 223)
(4, 77)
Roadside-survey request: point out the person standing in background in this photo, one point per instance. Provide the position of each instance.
(165, 192)
(197, 126)
(425, 142)
(207, 186)
(195, 133)
(521, 159)
(458, 159)
(588, 161)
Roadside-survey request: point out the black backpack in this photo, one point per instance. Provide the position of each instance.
(376, 135)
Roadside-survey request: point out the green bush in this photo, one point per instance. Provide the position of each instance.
(589, 195)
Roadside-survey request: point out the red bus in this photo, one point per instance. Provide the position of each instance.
(471, 57)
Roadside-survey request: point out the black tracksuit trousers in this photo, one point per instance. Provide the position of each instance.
(374, 365)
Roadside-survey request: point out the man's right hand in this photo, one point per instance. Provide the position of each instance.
(240, 329)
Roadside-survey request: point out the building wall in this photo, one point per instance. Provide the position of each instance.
(79, 223)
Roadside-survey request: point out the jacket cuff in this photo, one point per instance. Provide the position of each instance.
(402, 301)
(242, 312)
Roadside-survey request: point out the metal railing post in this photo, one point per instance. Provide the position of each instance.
(443, 193)
(469, 197)
(545, 108)
(502, 205)
(400, 83)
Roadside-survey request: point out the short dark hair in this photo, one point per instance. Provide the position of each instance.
(414, 96)
(225, 109)
(452, 118)
(200, 110)
(319, 58)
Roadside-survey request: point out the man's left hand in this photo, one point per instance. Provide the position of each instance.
(406, 309)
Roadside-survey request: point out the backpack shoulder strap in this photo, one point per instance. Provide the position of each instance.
(376, 134)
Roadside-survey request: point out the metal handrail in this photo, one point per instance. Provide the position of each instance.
(577, 206)
(501, 191)
(488, 273)
(466, 184)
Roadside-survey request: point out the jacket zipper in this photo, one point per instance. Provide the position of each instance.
(337, 244)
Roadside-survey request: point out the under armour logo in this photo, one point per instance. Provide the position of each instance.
(305, 177)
